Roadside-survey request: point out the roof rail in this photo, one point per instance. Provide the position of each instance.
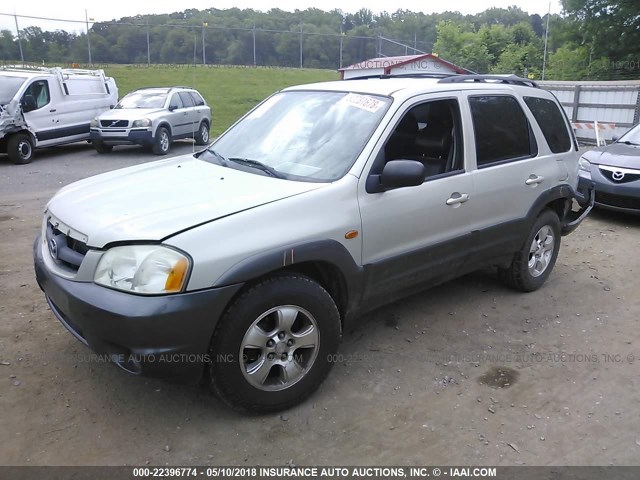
(506, 79)
(402, 75)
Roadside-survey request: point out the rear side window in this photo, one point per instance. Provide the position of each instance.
(501, 129)
(186, 99)
(197, 98)
(551, 122)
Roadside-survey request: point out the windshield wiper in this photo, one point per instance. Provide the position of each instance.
(627, 142)
(221, 160)
(258, 165)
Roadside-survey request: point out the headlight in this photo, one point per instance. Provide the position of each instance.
(145, 269)
(584, 164)
(145, 122)
(94, 123)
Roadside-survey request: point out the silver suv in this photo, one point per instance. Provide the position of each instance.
(153, 117)
(246, 260)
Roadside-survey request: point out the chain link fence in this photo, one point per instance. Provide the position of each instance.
(45, 40)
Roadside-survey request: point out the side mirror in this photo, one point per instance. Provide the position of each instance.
(615, 137)
(397, 174)
(29, 103)
(172, 107)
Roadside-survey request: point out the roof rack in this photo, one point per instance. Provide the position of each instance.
(505, 79)
(402, 75)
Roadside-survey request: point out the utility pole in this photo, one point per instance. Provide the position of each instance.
(86, 19)
(15, 17)
(300, 44)
(254, 45)
(341, 41)
(204, 57)
(148, 46)
(546, 37)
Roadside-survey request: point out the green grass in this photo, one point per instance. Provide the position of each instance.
(230, 92)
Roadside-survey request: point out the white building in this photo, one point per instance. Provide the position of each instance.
(406, 64)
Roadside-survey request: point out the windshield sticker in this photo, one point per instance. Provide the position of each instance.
(363, 102)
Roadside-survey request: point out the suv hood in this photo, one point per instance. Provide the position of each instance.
(129, 113)
(158, 199)
(616, 155)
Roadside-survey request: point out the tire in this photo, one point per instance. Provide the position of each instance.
(202, 135)
(20, 149)
(102, 148)
(533, 263)
(264, 366)
(161, 142)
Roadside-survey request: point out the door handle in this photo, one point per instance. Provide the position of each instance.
(52, 110)
(534, 179)
(457, 198)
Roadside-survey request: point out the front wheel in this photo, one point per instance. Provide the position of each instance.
(161, 142)
(20, 149)
(102, 148)
(532, 265)
(273, 347)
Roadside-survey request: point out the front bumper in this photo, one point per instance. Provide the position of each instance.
(122, 136)
(160, 336)
(621, 197)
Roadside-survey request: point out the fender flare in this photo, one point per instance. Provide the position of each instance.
(327, 251)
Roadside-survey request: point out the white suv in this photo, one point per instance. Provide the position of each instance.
(246, 260)
(153, 118)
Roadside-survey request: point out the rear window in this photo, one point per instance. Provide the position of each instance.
(501, 130)
(551, 122)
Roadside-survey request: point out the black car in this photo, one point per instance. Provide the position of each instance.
(615, 171)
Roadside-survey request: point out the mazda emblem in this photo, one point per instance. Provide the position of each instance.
(617, 176)
(53, 248)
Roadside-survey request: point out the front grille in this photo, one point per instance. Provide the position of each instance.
(618, 200)
(114, 123)
(64, 249)
(615, 176)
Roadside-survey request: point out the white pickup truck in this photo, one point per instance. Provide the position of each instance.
(44, 107)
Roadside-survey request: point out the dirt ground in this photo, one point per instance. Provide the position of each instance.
(467, 373)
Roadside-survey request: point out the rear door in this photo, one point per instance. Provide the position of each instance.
(513, 169)
(190, 114)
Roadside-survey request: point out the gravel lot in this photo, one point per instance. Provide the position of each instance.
(467, 373)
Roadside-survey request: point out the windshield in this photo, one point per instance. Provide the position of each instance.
(9, 86)
(143, 99)
(632, 136)
(305, 135)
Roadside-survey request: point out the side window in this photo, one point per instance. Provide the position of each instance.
(36, 96)
(429, 133)
(187, 101)
(197, 99)
(176, 102)
(551, 122)
(501, 129)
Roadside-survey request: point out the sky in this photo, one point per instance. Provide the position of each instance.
(110, 9)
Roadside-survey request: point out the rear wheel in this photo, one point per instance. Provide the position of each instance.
(20, 149)
(532, 265)
(277, 340)
(161, 142)
(202, 136)
(102, 148)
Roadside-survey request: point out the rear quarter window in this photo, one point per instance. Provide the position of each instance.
(551, 122)
(502, 131)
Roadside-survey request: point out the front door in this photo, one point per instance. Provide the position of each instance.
(415, 236)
